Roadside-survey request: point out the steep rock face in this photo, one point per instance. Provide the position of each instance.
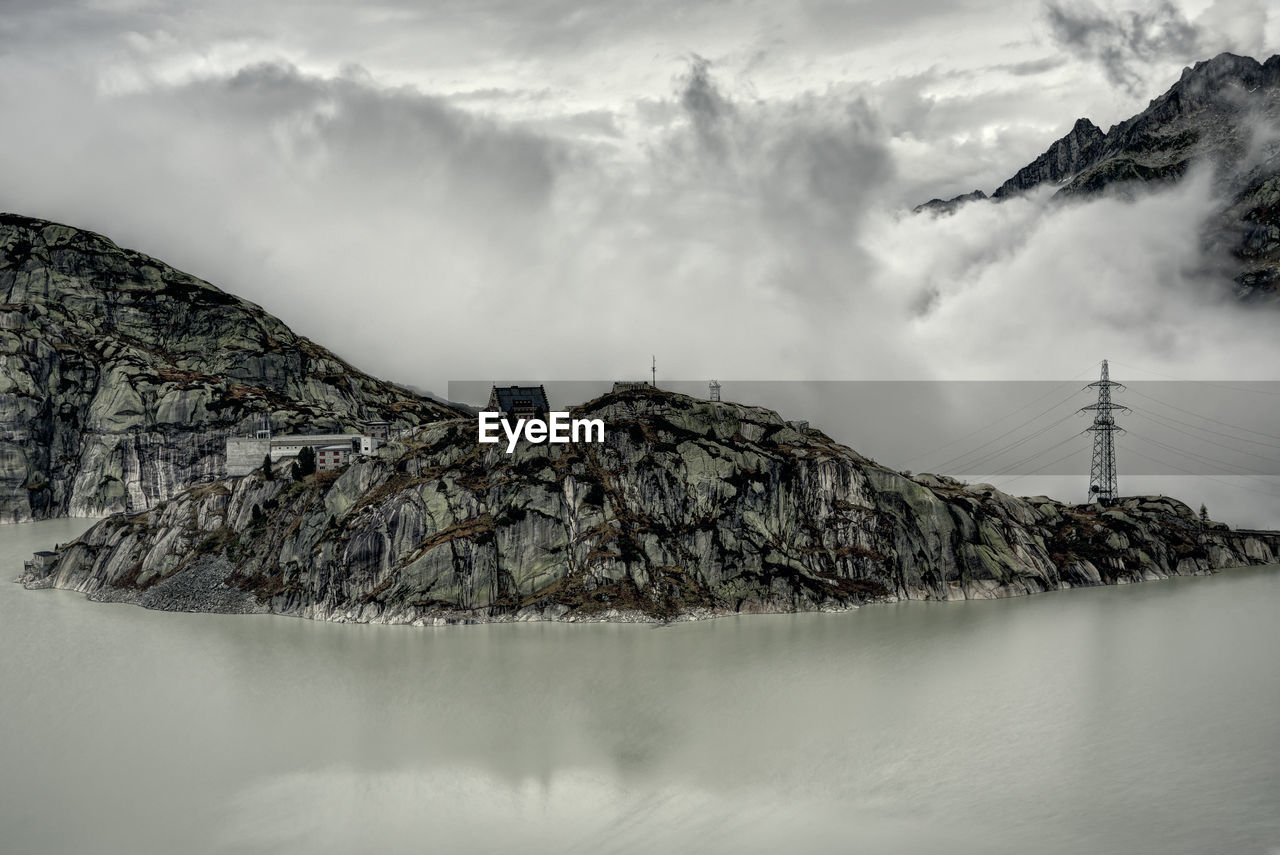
(1223, 113)
(1064, 159)
(122, 376)
(1211, 114)
(690, 508)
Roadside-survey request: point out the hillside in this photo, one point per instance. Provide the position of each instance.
(689, 508)
(122, 376)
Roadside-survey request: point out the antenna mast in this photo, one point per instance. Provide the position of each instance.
(654, 372)
(1102, 469)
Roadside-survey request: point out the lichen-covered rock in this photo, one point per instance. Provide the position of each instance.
(689, 509)
(120, 377)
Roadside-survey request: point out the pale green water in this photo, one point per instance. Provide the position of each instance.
(1141, 719)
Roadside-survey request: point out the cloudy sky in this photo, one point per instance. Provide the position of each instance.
(508, 188)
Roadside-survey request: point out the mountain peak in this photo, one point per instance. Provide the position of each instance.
(1223, 65)
(1216, 82)
(1064, 159)
(1209, 115)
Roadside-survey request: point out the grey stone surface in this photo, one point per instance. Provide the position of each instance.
(690, 509)
(120, 377)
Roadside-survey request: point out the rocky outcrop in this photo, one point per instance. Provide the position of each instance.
(1223, 113)
(689, 508)
(122, 376)
(949, 206)
(1065, 159)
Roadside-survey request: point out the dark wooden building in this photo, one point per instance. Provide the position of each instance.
(519, 402)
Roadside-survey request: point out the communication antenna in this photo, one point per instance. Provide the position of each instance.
(713, 391)
(1102, 470)
(654, 373)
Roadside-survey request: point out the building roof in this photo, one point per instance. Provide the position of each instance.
(312, 438)
(509, 398)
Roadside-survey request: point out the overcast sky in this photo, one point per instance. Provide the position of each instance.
(508, 188)
(493, 188)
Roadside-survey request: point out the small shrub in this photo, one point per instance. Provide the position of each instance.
(306, 464)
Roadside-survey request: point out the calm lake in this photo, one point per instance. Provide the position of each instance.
(1139, 719)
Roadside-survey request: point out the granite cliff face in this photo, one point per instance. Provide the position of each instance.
(1065, 159)
(122, 376)
(1223, 113)
(690, 508)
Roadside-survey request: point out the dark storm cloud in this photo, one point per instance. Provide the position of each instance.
(782, 186)
(736, 223)
(832, 153)
(707, 109)
(423, 142)
(1032, 66)
(1122, 41)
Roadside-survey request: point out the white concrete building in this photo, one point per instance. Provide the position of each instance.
(289, 444)
(245, 454)
(332, 457)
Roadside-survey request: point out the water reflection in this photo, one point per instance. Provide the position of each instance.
(1137, 719)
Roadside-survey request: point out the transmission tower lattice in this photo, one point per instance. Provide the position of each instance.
(1102, 470)
(713, 391)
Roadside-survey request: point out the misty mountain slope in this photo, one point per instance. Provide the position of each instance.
(689, 508)
(1224, 113)
(122, 376)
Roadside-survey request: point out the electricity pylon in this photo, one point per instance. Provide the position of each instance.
(1102, 471)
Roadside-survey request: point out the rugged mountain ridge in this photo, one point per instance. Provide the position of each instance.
(1223, 112)
(1066, 158)
(689, 508)
(122, 376)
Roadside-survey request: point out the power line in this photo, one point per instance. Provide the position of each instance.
(1017, 478)
(1208, 477)
(1054, 447)
(992, 424)
(1206, 382)
(1202, 458)
(1207, 419)
(1161, 420)
(1012, 430)
(982, 460)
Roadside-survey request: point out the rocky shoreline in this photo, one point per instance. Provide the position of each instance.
(690, 509)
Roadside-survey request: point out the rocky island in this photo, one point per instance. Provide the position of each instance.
(123, 377)
(690, 508)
